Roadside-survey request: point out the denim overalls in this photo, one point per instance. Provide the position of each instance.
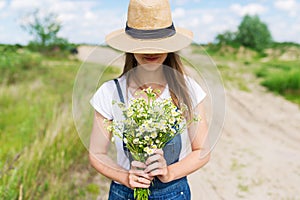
(175, 190)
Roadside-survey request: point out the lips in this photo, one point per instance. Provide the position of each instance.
(151, 58)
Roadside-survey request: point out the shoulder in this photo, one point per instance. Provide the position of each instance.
(103, 98)
(108, 89)
(110, 85)
(107, 86)
(104, 92)
(191, 83)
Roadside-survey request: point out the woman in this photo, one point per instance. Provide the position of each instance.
(150, 40)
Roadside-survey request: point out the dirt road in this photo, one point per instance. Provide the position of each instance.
(258, 154)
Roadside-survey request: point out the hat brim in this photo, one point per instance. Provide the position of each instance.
(121, 41)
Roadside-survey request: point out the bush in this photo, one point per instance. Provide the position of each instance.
(282, 78)
(227, 38)
(15, 61)
(283, 83)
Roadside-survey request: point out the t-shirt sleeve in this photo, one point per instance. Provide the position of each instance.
(196, 92)
(102, 100)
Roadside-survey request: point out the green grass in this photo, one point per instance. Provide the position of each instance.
(243, 188)
(17, 64)
(282, 78)
(41, 155)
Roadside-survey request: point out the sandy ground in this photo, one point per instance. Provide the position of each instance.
(258, 154)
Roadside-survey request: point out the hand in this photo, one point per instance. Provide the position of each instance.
(157, 166)
(138, 178)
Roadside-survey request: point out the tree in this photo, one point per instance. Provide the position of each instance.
(226, 38)
(43, 28)
(253, 33)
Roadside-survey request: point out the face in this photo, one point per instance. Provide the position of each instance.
(150, 61)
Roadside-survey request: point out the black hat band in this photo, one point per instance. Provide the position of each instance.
(150, 34)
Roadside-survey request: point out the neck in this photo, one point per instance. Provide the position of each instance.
(149, 77)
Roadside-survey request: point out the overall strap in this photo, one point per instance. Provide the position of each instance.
(126, 151)
(119, 90)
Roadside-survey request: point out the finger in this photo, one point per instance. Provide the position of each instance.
(153, 166)
(156, 172)
(140, 173)
(137, 164)
(147, 176)
(138, 182)
(159, 151)
(154, 158)
(140, 185)
(137, 172)
(143, 180)
(132, 177)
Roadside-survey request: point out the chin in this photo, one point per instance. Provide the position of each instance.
(151, 67)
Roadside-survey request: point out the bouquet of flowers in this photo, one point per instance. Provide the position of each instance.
(148, 124)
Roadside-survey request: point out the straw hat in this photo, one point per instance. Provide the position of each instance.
(149, 29)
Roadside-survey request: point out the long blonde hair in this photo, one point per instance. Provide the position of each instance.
(174, 75)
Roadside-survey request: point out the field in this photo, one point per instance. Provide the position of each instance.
(42, 157)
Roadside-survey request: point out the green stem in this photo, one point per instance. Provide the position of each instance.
(141, 193)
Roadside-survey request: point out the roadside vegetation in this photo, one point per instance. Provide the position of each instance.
(251, 50)
(276, 68)
(42, 156)
(281, 77)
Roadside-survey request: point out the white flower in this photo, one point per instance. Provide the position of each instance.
(140, 129)
(129, 113)
(172, 120)
(150, 151)
(163, 122)
(136, 141)
(154, 135)
(112, 139)
(154, 146)
(146, 149)
(138, 134)
(148, 90)
(125, 140)
(173, 130)
(175, 112)
(146, 138)
(162, 126)
(157, 141)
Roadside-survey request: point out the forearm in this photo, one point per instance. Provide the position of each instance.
(186, 166)
(107, 167)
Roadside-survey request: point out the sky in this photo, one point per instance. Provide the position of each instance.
(88, 21)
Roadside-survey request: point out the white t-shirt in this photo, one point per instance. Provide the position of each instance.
(107, 93)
